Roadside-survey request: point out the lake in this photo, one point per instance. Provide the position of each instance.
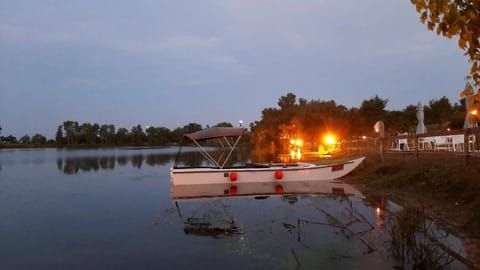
(113, 209)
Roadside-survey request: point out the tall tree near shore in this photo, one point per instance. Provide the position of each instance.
(39, 139)
(121, 136)
(224, 124)
(107, 134)
(438, 112)
(192, 127)
(25, 139)
(59, 140)
(287, 102)
(137, 135)
(455, 18)
(371, 111)
(71, 129)
(307, 120)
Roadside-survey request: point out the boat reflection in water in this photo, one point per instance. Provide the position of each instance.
(312, 224)
(179, 192)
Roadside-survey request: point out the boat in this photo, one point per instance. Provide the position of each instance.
(217, 169)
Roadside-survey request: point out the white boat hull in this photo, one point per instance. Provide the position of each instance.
(300, 172)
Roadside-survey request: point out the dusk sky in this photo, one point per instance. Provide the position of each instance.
(170, 63)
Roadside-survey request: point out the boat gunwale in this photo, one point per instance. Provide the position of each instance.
(309, 166)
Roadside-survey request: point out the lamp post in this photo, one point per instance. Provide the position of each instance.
(379, 128)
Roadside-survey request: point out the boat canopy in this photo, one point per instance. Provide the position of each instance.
(213, 133)
(227, 138)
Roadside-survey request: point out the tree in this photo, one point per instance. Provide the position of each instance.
(371, 111)
(224, 124)
(307, 120)
(455, 18)
(192, 127)
(438, 112)
(287, 102)
(59, 136)
(39, 139)
(177, 134)
(121, 136)
(25, 139)
(107, 134)
(137, 135)
(164, 135)
(71, 131)
(87, 133)
(9, 139)
(152, 136)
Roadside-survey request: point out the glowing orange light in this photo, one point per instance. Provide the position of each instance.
(299, 142)
(330, 139)
(364, 137)
(474, 112)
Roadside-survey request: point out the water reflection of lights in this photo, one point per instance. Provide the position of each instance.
(379, 219)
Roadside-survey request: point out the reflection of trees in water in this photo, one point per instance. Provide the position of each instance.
(154, 160)
(75, 165)
(137, 161)
(107, 162)
(190, 159)
(417, 242)
(122, 160)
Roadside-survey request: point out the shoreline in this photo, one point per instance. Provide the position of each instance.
(443, 188)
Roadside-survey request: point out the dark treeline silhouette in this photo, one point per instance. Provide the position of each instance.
(307, 119)
(72, 133)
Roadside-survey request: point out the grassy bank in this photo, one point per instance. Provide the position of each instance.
(446, 188)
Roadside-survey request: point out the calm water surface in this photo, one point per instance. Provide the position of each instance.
(112, 209)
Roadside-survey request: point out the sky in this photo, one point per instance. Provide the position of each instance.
(170, 63)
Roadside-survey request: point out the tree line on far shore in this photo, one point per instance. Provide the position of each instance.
(73, 133)
(293, 118)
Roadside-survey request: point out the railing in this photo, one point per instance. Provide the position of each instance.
(461, 141)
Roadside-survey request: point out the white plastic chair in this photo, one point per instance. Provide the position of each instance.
(440, 143)
(426, 143)
(458, 142)
(403, 144)
(471, 142)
